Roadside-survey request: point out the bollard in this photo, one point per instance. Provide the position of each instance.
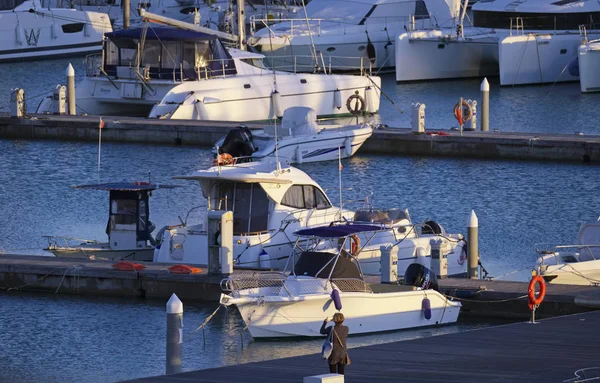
(485, 105)
(418, 118)
(174, 335)
(126, 13)
(473, 240)
(71, 90)
(17, 103)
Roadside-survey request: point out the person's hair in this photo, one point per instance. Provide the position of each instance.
(338, 318)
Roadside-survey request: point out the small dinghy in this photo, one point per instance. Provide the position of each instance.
(298, 139)
(320, 283)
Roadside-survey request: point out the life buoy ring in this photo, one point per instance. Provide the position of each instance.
(354, 244)
(533, 299)
(358, 106)
(223, 159)
(464, 113)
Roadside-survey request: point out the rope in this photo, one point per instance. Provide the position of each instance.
(382, 92)
(481, 301)
(206, 320)
(37, 280)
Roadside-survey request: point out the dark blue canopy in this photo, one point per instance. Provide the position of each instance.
(338, 231)
(161, 33)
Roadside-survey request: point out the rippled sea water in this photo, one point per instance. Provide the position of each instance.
(63, 338)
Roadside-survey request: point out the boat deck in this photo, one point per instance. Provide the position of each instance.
(549, 351)
(390, 141)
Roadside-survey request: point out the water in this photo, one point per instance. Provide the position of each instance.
(62, 338)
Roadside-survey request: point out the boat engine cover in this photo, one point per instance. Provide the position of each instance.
(420, 276)
(239, 143)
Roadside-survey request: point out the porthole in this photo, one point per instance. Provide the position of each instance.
(330, 49)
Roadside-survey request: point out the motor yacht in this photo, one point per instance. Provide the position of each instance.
(297, 139)
(577, 264)
(172, 73)
(319, 284)
(32, 32)
(346, 35)
(524, 42)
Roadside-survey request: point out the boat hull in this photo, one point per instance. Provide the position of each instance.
(589, 63)
(577, 273)
(269, 317)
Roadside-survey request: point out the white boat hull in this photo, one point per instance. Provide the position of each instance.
(577, 273)
(275, 316)
(589, 67)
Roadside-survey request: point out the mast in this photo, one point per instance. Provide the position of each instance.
(241, 16)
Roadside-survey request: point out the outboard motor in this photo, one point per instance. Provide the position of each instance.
(420, 276)
(239, 143)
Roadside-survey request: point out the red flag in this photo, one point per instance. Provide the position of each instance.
(101, 124)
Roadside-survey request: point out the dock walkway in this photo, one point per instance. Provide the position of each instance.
(392, 141)
(550, 351)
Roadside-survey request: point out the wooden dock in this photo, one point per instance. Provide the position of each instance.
(394, 141)
(549, 351)
(487, 298)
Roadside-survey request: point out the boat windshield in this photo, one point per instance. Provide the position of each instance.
(248, 201)
(9, 5)
(319, 264)
(361, 14)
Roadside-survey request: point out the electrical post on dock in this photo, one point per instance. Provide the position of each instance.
(220, 242)
(473, 241)
(485, 107)
(71, 90)
(174, 335)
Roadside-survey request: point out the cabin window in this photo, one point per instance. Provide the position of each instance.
(171, 54)
(540, 21)
(9, 5)
(123, 211)
(249, 203)
(151, 54)
(305, 197)
(72, 28)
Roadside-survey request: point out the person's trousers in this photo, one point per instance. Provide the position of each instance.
(337, 368)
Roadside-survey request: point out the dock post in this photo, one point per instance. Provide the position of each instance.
(71, 90)
(485, 107)
(227, 243)
(473, 240)
(126, 13)
(174, 335)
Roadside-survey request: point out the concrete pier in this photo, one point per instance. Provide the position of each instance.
(485, 145)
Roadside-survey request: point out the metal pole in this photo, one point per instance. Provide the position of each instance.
(126, 13)
(485, 108)
(460, 106)
(473, 240)
(71, 90)
(241, 13)
(174, 335)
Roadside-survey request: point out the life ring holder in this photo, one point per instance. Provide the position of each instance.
(354, 244)
(533, 299)
(466, 112)
(356, 109)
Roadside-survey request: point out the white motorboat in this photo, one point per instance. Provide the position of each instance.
(577, 264)
(270, 203)
(184, 74)
(30, 31)
(319, 284)
(346, 35)
(129, 229)
(298, 139)
(525, 42)
(589, 65)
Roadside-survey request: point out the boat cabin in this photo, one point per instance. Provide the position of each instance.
(129, 225)
(162, 53)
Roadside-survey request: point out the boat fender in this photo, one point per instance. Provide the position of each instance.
(20, 34)
(54, 31)
(369, 104)
(201, 111)
(337, 300)
(337, 99)
(426, 308)
(87, 30)
(298, 155)
(533, 299)
(371, 54)
(348, 146)
(276, 98)
(128, 266)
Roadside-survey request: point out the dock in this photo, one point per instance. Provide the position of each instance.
(549, 351)
(481, 298)
(385, 140)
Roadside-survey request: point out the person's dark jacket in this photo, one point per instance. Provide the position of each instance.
(338, 354)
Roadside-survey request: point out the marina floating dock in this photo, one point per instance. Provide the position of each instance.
(485, 298)
(473, 144)
(549, 351)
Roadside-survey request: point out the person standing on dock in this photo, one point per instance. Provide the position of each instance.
(339, 355)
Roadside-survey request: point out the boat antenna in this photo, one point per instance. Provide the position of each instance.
(276, 145)
(100, 126)
(340, 178)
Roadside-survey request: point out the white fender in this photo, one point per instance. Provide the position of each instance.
(201, 110)
(348, 146)
(20, 35)
(337, 99)
(87, 29)
(369, 94)
(54, 31)
(298, 155)
(276, 98)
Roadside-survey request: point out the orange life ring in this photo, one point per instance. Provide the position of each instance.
(462, 112)
(354, 244)
(223, 159)
(533, 299)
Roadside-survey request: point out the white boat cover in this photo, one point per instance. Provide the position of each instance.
(300, 120)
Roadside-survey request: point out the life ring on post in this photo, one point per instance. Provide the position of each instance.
(354, 244)
(463, 112)
(358, 106)
(533, 299)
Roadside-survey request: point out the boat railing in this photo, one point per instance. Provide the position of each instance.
(584, 252)
(93, 65)
(319, 64)
(62, 242)
(256, 280)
